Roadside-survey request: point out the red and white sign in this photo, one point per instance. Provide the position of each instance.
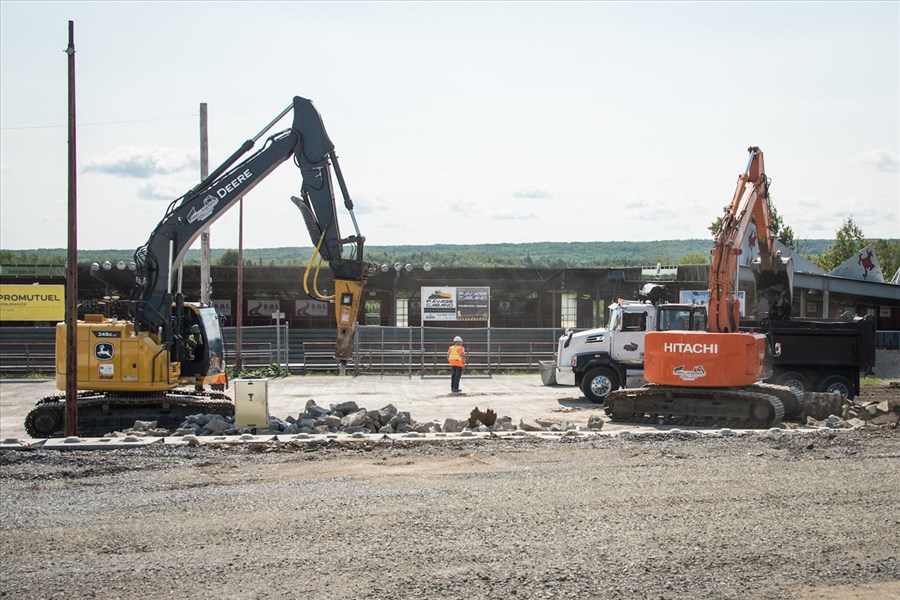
(262, 308)
(223, 307)
(310, 308)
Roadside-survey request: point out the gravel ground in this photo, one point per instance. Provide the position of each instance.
(790, 514)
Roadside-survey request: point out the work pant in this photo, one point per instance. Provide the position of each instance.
(455, 376)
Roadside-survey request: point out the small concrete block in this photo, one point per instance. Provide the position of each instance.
(245, 438)
(17, 444)
(76, 443)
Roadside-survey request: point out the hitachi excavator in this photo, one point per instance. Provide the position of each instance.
(137, 368)
(713, 376)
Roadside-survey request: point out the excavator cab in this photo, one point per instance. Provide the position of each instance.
(774, 287)
(203, 359)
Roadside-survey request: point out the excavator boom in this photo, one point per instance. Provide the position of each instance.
(313, 152)
(131, 369)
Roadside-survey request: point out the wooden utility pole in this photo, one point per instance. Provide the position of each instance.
(205, 273)
(71, 411)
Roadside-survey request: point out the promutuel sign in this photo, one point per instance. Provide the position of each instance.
(32, 302)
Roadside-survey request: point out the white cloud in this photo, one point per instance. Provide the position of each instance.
(157, 190)
(533, 192)
(880, 160)
(363, 205)
(514, 215)
(143, 163)
(808, 203)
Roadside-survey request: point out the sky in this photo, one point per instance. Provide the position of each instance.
(455, 122)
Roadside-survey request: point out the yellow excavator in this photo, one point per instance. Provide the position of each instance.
(154, 363)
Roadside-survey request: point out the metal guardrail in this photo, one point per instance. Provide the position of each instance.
(253, 355)
(28, 357)
(378, 350)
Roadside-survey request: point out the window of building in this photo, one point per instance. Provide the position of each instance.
(568, 310)
(402, 312)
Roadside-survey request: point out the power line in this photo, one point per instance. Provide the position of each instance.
(101, 123)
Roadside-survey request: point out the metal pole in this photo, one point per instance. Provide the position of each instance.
(71, 411)
(238, 359)
(278, 336)
(205, 275)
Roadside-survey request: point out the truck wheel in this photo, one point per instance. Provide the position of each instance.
(598, 383)
(837, 383)
(793, 379)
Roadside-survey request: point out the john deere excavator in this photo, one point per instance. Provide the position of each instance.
(714, 376)
(153, 364)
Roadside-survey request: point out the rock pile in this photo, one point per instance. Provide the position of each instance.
(879, 414)
(350, 418)
(835, 411)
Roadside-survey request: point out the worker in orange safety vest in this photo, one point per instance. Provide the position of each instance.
(456, 356)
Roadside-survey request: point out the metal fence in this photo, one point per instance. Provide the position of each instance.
(407, 351)
(887, 340)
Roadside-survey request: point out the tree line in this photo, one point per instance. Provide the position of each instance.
(825, 253)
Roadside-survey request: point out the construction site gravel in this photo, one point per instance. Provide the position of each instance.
(630, 512)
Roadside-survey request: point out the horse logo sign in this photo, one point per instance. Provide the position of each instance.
(103, 351)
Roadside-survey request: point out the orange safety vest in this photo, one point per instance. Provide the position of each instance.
(455, 356)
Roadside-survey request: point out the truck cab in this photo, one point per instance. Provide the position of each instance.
(597, 360)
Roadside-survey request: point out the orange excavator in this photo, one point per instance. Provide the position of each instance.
(713, 376)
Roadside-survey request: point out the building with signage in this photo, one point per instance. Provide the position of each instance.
(476, 297)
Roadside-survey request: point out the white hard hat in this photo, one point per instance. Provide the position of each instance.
(457, 339)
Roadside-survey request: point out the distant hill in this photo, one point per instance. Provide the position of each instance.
(538, 255)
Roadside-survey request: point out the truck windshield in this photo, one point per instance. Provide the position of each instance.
(675, 319)
(613, 319)
(683, 318)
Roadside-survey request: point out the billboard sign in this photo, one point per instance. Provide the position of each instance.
(701, 297)
(456, 303)
(32, 302)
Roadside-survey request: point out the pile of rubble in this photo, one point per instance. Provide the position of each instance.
(349, 418)
(835, 411)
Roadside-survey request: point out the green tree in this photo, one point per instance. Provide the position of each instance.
(848, 240)
(694, 258)
(228, 259)
(888, 253)
(783, 233)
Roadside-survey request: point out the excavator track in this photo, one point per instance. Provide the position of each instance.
(735, 407)
(101, 413)
(791, 399)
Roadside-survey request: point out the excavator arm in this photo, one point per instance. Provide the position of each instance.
(313, 152)
(772, 272)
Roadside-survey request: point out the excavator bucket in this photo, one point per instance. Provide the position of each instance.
(774, 288)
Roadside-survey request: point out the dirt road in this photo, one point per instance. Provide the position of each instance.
(762, 515)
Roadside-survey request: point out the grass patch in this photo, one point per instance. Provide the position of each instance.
(34, 375)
